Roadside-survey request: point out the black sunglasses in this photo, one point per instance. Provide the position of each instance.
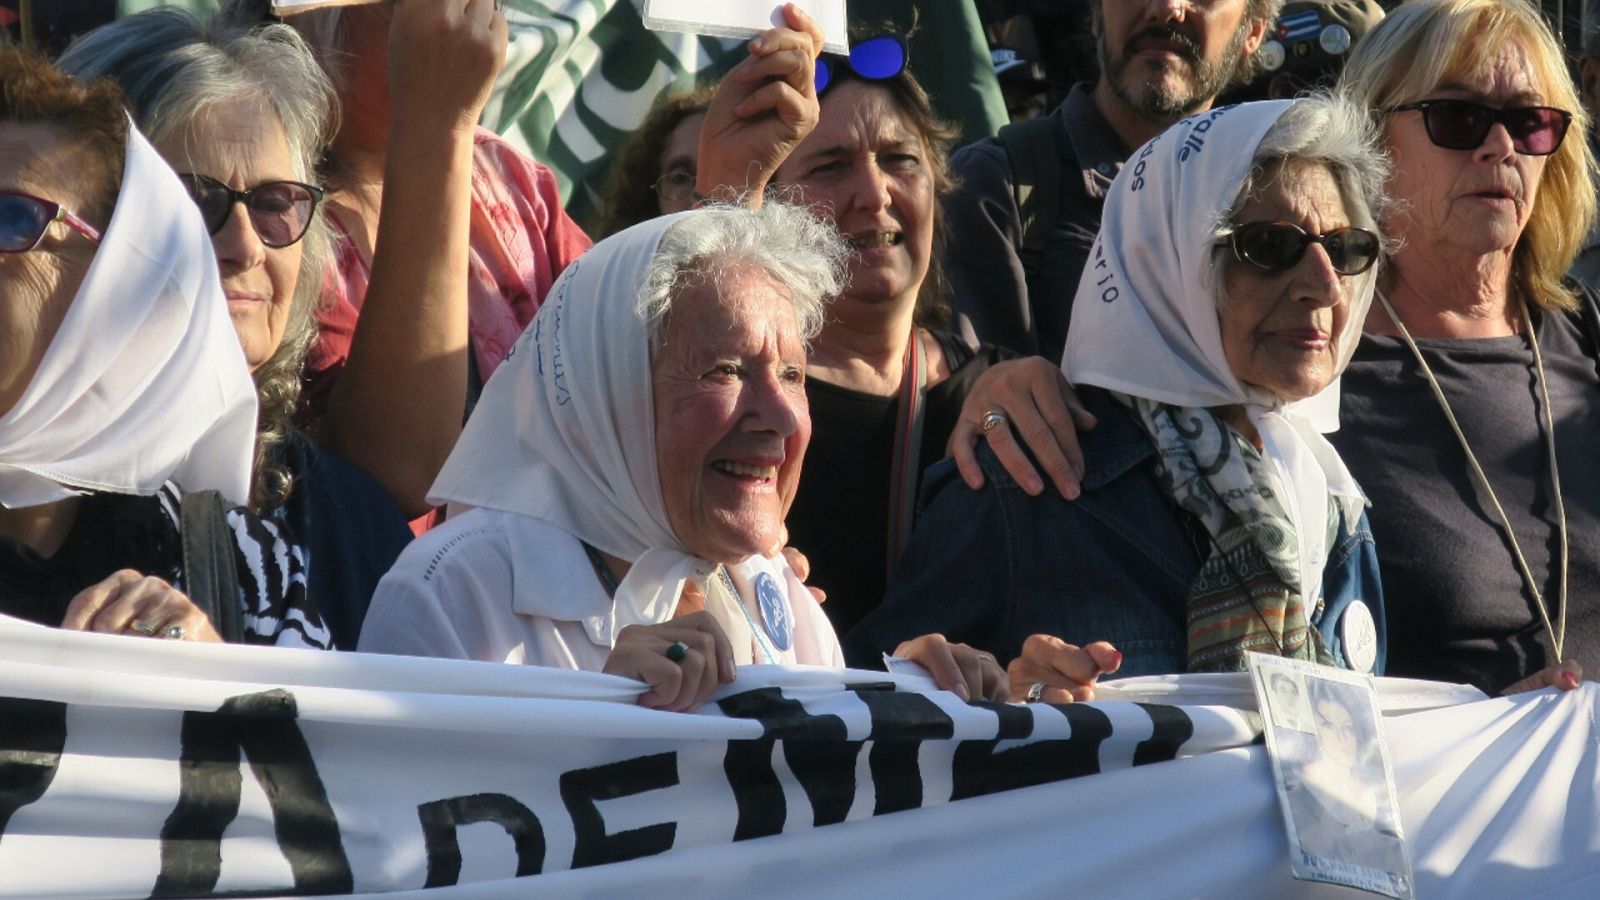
(280, 211)
(1279, 246)
(1463, 125)
(877, 58)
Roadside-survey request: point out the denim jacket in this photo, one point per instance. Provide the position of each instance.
(992, 567)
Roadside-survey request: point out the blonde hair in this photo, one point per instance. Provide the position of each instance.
(1426, 43)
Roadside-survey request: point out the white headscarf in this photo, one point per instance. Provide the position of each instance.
(1144, 321)
(565, 432)
(145, 381)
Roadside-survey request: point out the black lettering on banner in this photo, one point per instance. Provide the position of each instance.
(978, 769)
(263, 727)
(814, 747)
(32, 735)
(441, 818)
(900, 723)
(582, 788)
(1173, 728)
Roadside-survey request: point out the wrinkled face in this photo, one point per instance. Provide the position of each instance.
(1168, 58)
(1471, 201)
(242, 145)
(679, 154)
(731, 418)
(1337, 732)
(868, 169)
(1280, 330)
(37, 287)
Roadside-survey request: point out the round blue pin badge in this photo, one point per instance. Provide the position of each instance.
(774, 611)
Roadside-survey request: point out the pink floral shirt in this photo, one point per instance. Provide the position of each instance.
(520, 240)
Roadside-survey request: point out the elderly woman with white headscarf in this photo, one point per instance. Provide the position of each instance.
(125, 405)
(629, 466)
(1223, 297)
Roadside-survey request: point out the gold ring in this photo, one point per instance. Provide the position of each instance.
(993, 419)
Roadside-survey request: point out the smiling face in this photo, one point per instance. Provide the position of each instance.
(868, 170)
(37, 287)
(1475, 202)
(732, 425)
(241, 144)
(1165, 60)
(1280, 330)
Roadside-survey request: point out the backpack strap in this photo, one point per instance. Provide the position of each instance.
(1035, 161)
(208, 562)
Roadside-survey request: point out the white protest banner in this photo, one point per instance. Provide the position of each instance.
(132, 768)
(744, 18)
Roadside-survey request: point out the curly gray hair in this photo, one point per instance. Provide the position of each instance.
(801, 253)
(174, 68)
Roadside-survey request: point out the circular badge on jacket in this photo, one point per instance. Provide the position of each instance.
(775, 611)
(1359, 634)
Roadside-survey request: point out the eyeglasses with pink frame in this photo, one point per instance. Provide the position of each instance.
(46, 213)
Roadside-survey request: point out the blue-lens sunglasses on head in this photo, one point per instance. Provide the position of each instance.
(875, 59)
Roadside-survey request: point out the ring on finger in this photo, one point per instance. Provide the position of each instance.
(993, 419)
(174, 633)
(1035, 691)
(143, 627)
(677, 651)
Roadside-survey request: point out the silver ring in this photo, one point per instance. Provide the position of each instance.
(993, 419)
(1035, 691)
(143, 627)
(174, 633)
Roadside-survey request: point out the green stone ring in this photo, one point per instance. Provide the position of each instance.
(677, 651)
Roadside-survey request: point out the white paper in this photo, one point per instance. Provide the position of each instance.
(290, 7)
(740, 18)
(1332, 772)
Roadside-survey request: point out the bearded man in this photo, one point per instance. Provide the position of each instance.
(1028, 208)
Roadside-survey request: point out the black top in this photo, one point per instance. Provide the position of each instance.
(119, 531)
(841, 511)
(1458, 607)
(1005, 294)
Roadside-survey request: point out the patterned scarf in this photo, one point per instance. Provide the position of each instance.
(1247, 596)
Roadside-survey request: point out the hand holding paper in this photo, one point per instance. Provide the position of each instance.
(1067, 673)
(762, 110)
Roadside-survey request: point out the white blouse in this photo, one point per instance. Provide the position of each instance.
(503, 587)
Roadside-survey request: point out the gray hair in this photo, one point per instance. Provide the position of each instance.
(1326, 128)
(174, 69)
(801, 253)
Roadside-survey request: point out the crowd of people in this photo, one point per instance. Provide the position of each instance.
(1138, 387)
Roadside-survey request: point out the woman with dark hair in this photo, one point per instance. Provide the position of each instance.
(884, 380)
(654, 172)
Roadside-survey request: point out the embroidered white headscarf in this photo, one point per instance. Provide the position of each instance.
(1144, 321)
(565, 432)
(145, 381)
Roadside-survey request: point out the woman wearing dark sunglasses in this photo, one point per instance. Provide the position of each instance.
(243, 116)
(1472, 409)
(1223, 297)
(121, 389)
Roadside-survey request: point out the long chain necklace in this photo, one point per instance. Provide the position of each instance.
(1558, 632)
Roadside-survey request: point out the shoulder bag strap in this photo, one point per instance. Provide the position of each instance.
(208, 562)
(1035, 177)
